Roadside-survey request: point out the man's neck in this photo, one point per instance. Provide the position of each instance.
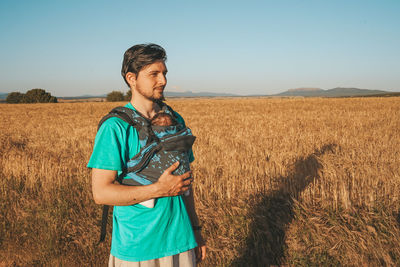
(146, 107)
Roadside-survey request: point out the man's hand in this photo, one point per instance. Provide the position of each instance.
(200, 250)
(173, 185)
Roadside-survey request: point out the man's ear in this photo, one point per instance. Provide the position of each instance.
(131, 78)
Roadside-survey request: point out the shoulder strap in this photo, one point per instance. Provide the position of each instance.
(125, 114)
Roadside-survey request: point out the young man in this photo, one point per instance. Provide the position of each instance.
(168, 234)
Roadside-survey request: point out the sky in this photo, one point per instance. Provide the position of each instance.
(75, 47)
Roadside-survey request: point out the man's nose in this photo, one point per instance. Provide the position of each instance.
(162, 79)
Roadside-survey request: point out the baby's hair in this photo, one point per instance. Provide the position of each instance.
(163, 119)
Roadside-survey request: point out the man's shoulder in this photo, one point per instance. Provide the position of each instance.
(114, 124)
(116, 128)
(115, 141)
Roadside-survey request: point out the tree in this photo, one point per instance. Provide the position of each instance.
(115, 96)
(128, 95)
(38, 96)
(14, 97)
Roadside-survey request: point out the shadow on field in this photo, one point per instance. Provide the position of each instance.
(273, 212)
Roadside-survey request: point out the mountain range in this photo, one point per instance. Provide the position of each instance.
(193, 94)
(304, 92)
(335, 92)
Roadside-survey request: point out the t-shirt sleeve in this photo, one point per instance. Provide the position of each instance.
(109, 146)
(181, 120)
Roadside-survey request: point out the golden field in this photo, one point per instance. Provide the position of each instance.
(278, 181)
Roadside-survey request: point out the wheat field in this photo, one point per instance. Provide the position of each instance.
(278, 181)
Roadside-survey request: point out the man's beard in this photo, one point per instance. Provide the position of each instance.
(151, 96)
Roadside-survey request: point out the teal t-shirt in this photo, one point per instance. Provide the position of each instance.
(140, 233)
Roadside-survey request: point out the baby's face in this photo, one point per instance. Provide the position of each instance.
(163, 119)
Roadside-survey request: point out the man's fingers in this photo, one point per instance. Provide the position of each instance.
(173, 167)
(203, 252)
(186, 175)
(200, 253)
(188, 181)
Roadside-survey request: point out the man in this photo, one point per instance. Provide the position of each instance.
(168, 234)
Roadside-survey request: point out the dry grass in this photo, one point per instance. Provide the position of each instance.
(278, 181)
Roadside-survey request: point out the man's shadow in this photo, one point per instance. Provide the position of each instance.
(272, 212)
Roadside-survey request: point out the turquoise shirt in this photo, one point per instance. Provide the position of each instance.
(140, 233)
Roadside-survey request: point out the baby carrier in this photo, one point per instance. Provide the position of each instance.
(161, 146)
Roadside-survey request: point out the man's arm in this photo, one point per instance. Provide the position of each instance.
(106, 192)
(190, 207)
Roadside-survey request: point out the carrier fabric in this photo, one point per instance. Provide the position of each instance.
(162, 146)
(173, 145)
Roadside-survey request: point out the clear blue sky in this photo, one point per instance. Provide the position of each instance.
(74, 48)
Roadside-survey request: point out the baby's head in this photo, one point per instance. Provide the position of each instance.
(163, 119)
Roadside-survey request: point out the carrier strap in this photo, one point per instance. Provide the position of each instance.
(125, 114)
(103, 227)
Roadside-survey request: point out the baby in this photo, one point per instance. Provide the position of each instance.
(161, 119)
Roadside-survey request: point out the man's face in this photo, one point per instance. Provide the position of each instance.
(151, 81)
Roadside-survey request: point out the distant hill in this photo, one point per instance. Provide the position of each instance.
(335, 92)
(81, 97)
(193, 94)
(305, 89)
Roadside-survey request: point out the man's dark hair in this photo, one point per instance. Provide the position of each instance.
(138, 56)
